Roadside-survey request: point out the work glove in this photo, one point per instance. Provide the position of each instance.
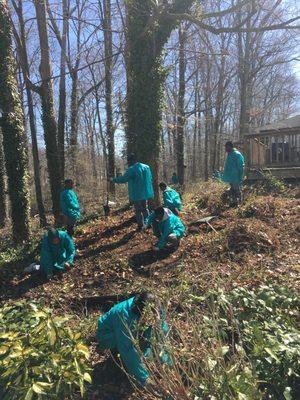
(67, 266)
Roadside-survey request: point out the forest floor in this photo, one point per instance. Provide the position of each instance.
(257, 242)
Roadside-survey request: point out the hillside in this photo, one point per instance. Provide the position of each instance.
(245, 247)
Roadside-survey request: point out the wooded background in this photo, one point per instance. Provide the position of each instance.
(84, 82)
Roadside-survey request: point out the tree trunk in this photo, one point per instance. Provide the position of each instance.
(2, 186)
(14, 137)
(74, 121)
(180, 108)
(48, 114)
(36, 159)
(110, 130)
(22, 51)
(218, 114)
(62, 91)
(145, 78)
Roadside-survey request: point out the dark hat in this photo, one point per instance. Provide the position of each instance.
(52, 233)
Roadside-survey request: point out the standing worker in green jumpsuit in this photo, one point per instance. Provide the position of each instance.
(69, 206)
(123, 329)
(140, 188)
(234, 173)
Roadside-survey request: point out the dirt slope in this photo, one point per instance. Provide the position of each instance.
(257, 242)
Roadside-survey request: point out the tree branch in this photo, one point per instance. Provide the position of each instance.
(237, 28)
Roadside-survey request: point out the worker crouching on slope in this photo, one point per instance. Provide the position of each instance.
(234, 173)
(69, 206)
(57, 252)
(140, 188)
(129, 328)
(167, 227)
(171, 199)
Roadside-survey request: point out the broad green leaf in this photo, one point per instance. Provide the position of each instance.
(29, 394)
(87, 377)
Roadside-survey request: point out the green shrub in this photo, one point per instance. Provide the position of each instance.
(262, 325)
(270, 184)
(40, 358)
(241, 345)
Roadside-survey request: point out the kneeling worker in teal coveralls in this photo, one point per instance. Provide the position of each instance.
(118, 329)
(167, 227)
(171, 199)
(57, 252)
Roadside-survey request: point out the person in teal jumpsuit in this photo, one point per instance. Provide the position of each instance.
(174, 179)
(140, 188)
(167, 227)
(57, 252)
(234, 173)
(171, 199)
(121, 329)
(69, 206)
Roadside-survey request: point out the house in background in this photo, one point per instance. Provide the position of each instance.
(274, 148)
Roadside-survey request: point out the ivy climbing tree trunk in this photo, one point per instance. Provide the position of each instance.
(23, 57)
(147, 31)
(48, 115)
(2, 186)
(14, 137)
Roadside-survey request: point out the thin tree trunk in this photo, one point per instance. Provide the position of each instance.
(74, 121)
(110, 131)
(48, 114)
(62, 91)
(2, 186)
(181, 116)
(14, 137)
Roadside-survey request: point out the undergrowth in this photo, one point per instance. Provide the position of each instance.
(240, 345)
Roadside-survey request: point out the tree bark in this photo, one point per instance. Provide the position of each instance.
(14, 137)
(62, 91)
(22, 51)
(110, 130)
(48, 115)
(146, 76)
(180, 108)
(2, 186)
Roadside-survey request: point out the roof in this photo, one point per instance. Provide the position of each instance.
(286, 124)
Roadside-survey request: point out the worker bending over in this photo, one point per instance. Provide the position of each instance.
(234, 173)
(57, 252)
(171, 199)
(69, 206)
(125, 329)
(140, 188)
(167, 227)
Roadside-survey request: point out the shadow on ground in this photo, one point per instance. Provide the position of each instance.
(108, 247)
(105, 234)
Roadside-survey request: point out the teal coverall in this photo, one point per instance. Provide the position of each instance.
(140, 189)
(171, 224)
(172, 199)
(139, 179)
(54, 256)
(234, 174)
(69, 204)
(175, 179)
(234, 168)
(117, 331)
